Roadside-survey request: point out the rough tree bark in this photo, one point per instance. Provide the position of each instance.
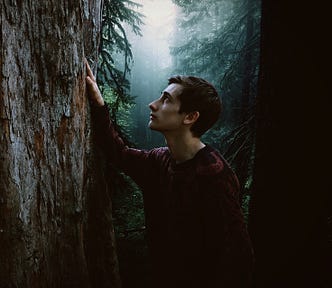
(55, 213)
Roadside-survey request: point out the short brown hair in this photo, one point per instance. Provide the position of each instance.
(198, 95)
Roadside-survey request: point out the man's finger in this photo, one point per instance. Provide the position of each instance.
(89, 80)
(88, 69)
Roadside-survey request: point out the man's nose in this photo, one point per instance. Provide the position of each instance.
(153, 105)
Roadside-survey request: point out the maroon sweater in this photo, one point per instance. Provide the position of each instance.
(195, 228)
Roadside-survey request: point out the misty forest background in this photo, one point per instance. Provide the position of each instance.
(146, 42)
(69, 219)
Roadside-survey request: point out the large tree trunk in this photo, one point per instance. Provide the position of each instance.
(286, 209)
(52, 194)
(246, 139)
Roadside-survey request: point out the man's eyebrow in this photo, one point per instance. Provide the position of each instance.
(166, 93)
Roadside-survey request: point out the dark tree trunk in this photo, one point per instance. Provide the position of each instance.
(246, 139)
(55, 213)
(285, 211)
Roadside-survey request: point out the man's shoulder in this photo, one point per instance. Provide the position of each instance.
(214, 171)
(211, 162)
(159, 153)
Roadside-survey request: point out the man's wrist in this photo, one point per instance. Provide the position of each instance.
(97, 103)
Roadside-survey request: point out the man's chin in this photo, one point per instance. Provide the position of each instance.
(152, 127)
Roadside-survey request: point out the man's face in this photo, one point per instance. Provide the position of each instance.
(165, 116)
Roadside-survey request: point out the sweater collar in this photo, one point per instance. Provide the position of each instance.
(207, 161)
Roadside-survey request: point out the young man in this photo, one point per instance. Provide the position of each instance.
(195, 229)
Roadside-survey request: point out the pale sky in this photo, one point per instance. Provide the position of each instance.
(159, 24)
(158, 13)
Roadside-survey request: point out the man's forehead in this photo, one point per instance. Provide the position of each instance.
(174, 89)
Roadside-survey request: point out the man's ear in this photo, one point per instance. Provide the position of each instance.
(191, 117)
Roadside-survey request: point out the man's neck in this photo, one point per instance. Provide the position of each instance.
(183, 147)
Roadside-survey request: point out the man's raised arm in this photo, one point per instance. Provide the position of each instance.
(107, 138)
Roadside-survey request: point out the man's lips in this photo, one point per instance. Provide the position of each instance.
(152, 117)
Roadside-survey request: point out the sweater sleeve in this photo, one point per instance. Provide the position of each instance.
(133, 162)
(228, 252)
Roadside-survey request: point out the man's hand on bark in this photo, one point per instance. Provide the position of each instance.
(93, 90)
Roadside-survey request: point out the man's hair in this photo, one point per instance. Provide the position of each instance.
(198, 95)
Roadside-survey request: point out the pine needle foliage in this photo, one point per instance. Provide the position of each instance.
(112, 73)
